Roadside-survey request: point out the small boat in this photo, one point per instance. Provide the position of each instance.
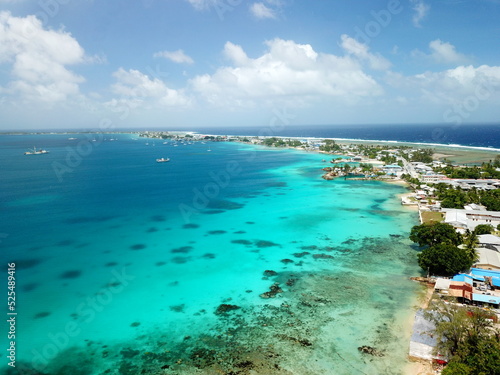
(36, 152)
(71, 139)
(162, 160)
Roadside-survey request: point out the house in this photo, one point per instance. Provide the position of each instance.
(488, 259)
(392, 169)
(475, 207)
(469, 219)
(422, 342)
(489, 240)
(460, 288)
(456, 218)
(479, 287)
(433, 177)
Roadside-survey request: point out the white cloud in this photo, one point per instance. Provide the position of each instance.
(39, 59)
(261, 11)
(137, 88)
(451, 86)
(288, 71)
(442, 53)
(359, 50)
(462, 79)
(236, 54)
(176, 56)
(421, 10)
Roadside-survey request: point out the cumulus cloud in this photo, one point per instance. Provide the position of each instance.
(287, 70)
(39, 59)
(137, 88)
(261, 11)
(451, 86)
(442, 53)
(360, 50)
(421, 10)
(176, 56)
(462, 79)
(236, 54)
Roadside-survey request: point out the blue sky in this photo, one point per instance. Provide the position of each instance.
(194, 63)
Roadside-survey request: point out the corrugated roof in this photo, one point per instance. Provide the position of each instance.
(481, 272)
(489, 239)
(486, 299)
(456, 216)
(442, 283)
(463, 277)
(488, 257)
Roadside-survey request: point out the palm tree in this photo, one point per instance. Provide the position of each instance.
(471, 242)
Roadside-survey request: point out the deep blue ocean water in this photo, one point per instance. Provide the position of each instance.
(122, 262)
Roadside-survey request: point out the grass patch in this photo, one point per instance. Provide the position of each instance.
(428, 217)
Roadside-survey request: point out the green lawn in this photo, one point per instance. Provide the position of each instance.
(428, 216)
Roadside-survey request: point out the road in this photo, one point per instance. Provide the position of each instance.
(408, 168)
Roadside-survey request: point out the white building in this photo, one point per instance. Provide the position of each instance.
(469, 219)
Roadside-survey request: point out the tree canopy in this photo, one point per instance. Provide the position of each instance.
(483, 229)
(434, 233)
(444, 259)
(456, 198)
(467, 338)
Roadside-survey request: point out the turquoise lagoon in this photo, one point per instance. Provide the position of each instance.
(122, 262)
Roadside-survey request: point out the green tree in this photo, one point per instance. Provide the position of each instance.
(468, 338)
(423, 155)
(457, 327)
(471, 241)
(496, 162)
(453, 198)
(491, 199)
(329, 146)
(444, 259)
(434, 233)
(481, 353)
(456, 368)
(483, 229)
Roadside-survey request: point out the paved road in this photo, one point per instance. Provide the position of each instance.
(408, 168)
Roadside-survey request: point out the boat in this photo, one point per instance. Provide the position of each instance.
(36, 152)
(162, 160)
